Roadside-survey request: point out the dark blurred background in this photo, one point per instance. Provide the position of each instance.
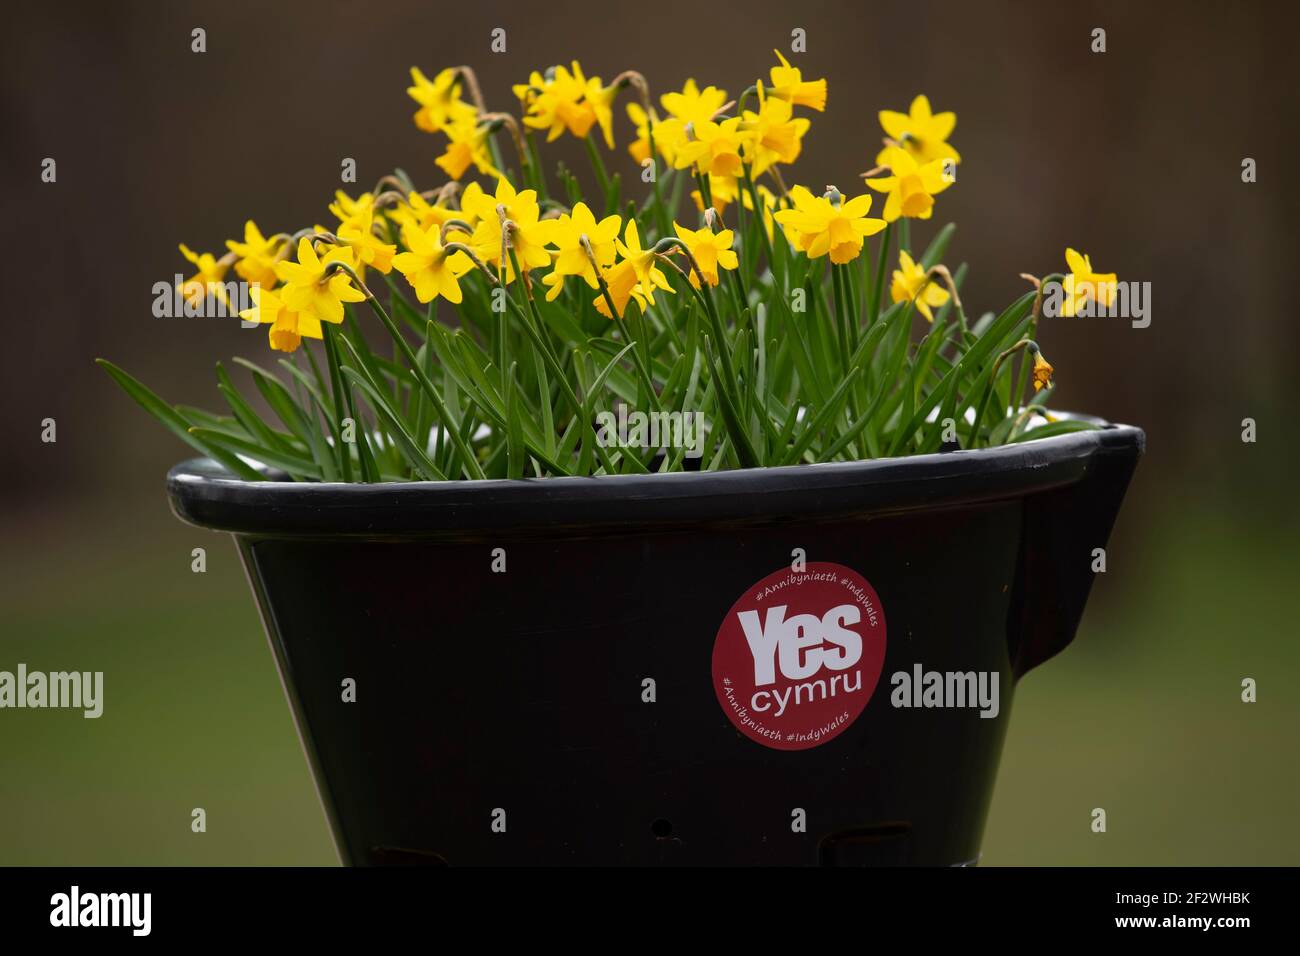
(1133, 155)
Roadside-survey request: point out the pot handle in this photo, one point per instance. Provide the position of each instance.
(1061, 529)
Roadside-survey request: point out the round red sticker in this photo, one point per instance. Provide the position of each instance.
(799, 655)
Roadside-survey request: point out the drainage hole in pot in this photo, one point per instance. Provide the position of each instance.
(662, 828)
(404, 856)
(885, 844)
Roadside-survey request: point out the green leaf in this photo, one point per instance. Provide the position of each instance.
(516, 458)
(938, 246)
(297, 466)
(822, 419)
(1052, 429)
(295, 419)
(201, 416)
(745, 452)
(246, 416)
(972, 360)
(411, 452)
(176, 423)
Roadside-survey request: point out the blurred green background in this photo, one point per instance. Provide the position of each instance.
(1133, 156)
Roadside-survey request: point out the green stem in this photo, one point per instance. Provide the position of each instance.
(444, 415)
(841, 332)
(758, 211)
(705, 295)
(845, 315)
(706, 191)
(498, 161)
(537, 165)
(878, 287)
(665, 217)
(643, 373)
(340, 392)
(991, 387)
(598, 164)
(536, 331)
(852, 304)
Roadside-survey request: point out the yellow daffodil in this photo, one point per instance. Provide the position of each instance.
(558, 102)
(527, 92)
(644, 261)
(571, 258)
(257, 255)
(473, 200)
(668, 136)
(602, 99)
(911, 186)
(776, 136)
(922, 133)
(686, 109)
(635, 276)
(344, 207)
(1083, 284)
(1042, 371)
(639, 148)
(713, 148)
(288, 328)
(723, 189)
(530, 233)
(307, 288)
(467, 145)
(439, 99)
(419, 212)
(208, 280)
(821, 226)
(622, 285)
(358, 234)
(693, 105)
(428, 267)
(788, 84)
(910, 283)
(710, 250)
(266, 306)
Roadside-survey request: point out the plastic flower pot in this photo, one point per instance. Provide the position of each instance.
(633, 669)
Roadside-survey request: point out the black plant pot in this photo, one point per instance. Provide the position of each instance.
(594, 702)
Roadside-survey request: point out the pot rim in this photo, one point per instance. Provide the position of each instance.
(204, 493)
